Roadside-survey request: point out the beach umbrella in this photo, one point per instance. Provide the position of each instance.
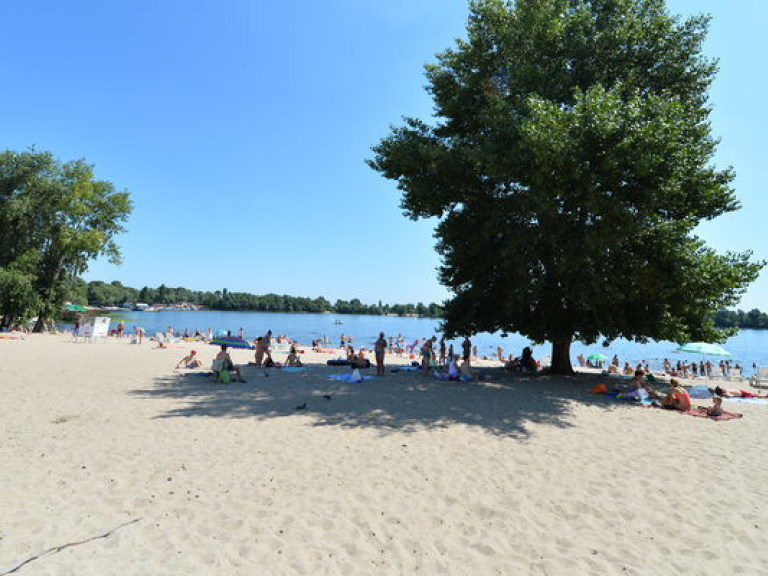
(597, 357)
(74, 308)
(703, 348)
(231, 342)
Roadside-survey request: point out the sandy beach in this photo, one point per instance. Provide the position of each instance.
(112, 463)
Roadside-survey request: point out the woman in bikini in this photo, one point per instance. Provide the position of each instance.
(677, 398)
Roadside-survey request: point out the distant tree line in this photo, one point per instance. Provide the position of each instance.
(740, 319)
(100, 293)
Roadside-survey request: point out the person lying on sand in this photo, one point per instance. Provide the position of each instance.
(734, 393)
(190, 361)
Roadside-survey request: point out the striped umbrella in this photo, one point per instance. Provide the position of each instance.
(230, 342)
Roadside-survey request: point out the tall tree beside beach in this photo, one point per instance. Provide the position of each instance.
(569, 162)
(55, 217)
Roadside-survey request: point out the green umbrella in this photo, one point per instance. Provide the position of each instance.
(74, 308)
(703, 348)
(597, 356)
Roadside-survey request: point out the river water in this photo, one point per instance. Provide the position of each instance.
(748, 347)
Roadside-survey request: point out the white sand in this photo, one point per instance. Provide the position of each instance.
(405, 475)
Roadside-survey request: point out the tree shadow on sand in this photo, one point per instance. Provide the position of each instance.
(502, 404)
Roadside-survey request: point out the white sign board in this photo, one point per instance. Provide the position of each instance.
(95, 327)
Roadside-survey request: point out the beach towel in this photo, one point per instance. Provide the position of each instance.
(405, 369)
(459, 378)
(702, 413)
(700, 392)
(762, 401)
(351, 377)
(642, 400)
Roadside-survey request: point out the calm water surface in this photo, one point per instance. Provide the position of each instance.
(747, 347)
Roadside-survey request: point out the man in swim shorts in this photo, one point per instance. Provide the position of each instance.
(732, 393)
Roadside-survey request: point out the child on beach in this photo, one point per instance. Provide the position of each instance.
(717, 407)
(189, 361)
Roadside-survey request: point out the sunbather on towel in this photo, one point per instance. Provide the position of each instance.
(717, 407)
(733, 393)
(677, 398)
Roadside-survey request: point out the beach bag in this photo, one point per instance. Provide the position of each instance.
(599, 389)
(224, 376)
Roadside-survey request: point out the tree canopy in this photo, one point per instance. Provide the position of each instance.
(55, 217)
(569, 163)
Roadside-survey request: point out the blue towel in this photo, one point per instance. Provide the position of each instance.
(762, 401)
(347, 377)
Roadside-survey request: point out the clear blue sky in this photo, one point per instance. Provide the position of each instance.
(241, 127)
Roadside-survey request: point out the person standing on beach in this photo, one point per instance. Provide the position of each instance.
(259, 354)
(266, 342)
(380, 348)
(426, 353)
(466, 348)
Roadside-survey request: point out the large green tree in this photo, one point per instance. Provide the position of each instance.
(569, 163)
(54, 218)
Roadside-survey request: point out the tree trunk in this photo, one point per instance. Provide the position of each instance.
(561, 356)
(47, 296)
